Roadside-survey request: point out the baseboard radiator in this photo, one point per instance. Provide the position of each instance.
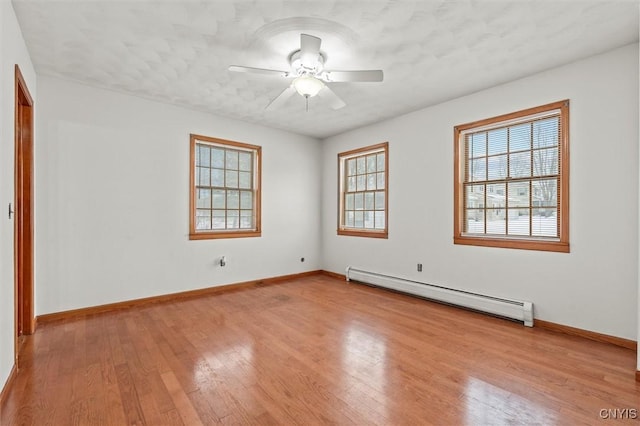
(513, 309)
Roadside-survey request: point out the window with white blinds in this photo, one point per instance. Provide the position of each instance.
(225, 189)
(363, 191)
(512, 180)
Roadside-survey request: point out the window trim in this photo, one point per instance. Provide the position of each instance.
(515, 242)
(216, 234)
(370, 233)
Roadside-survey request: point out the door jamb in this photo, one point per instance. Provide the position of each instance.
(23, 167)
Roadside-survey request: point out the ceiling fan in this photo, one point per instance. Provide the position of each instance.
(309, 75)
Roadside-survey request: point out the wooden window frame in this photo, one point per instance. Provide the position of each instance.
(557, 244)
(257, 182)
(342, 176)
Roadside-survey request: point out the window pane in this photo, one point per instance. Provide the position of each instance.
(380, 200)
(204, 199)
(380, 181)
(203, 156)
(233, 199)
(474, 196)
(358, 219)
(520, 164)
(361, 166)
(359, 200)
(231, 161)
(245, 180)
(371, 163)
(519, 194)
(545, 222)
(362, 183)
(474, 221)
(219, 199)
(231, 179)
(477, 170)
(246, 199)
(380, 162)
(518, 222)
(497, 167)
(351, 184)
(245, 161)
(545, 132)
(246, 219)
(217, 157)
(497, 141)
(368, 220)
(219, 219)
(233, 219)
(368, 201)
(380, 220)
(496, 223)
(217, 177)
(477, 144)
(349, 219)
(203, 219)
(545, 162)
(351, 167)
(348, 202)
(371, 181)
(496, 195)
(203, 179)
(520, 137)
(545, 193)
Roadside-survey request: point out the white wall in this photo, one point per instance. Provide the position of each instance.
(112, 200)
(595, 286)
(12, 51)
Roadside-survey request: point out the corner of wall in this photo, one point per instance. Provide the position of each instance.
(638, 277)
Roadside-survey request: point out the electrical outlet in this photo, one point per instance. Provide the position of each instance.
(419, 267)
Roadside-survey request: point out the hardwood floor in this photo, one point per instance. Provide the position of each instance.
(313, 351)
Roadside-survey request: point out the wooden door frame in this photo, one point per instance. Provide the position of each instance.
(23, 206)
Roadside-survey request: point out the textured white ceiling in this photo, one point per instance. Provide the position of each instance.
(431, 50)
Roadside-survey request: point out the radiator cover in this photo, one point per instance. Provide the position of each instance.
(513, 309)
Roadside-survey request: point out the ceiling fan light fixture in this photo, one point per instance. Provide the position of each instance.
(307, 86)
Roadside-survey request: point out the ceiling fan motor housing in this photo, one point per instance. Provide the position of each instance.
(299, 68)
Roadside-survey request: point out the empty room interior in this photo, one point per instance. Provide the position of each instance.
(319, 212)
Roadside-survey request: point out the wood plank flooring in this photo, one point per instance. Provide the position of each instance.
(309, 351)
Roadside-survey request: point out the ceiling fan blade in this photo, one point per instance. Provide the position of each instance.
(309, 50)
(281, 98)
(334, 100)
(238, 68)
(353, 76)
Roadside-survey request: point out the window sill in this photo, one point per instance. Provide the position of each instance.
(362, 233)
(540, 245)
(219, 235)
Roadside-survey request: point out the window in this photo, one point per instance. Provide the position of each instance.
(224, 189)
(512, 180)
(363, 183)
